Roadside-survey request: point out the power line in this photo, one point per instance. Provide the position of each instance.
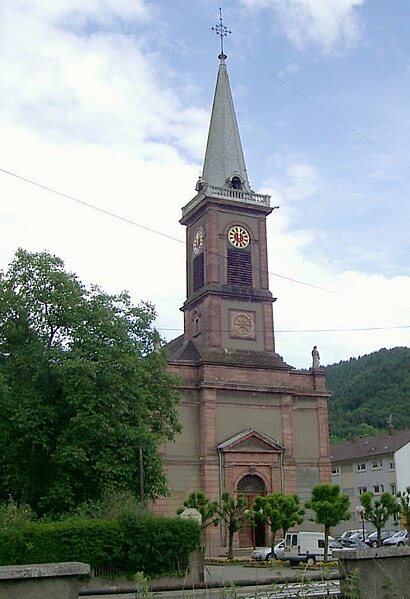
(88, 205)
(297, 91)
(150, 229)
(165, 235)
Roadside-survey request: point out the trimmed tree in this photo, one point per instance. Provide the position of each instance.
(378, 511)
(279, 511)
(205, 506)
(292, 513)
(330, 508)
(231, 511)
(404, 503)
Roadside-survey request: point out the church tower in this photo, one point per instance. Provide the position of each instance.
(250, 422)
(228, 310)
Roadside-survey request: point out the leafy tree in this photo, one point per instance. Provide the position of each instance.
(82, 390)
(231, 511)
(366, 391)
(292, 513)
(279, 511)
(13, 516)
(205, 506)
(379, 511)
(330, 508)
(404, 503)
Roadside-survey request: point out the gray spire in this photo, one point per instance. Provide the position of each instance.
(224, 164)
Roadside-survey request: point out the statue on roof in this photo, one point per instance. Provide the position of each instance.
(315, 358)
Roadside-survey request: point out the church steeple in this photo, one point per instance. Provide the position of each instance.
(224, 164)
(228, 308)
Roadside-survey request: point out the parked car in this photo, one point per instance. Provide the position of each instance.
(371, 540)
(335, 545)
(264, 554)
(354, 544)
(399, 538)
(357, 533)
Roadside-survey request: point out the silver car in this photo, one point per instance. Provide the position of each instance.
(400, 538)
(264, 554)
(372, 538)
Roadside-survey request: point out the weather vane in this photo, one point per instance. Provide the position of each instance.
(222, 31)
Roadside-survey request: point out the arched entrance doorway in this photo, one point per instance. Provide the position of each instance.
(252, 485)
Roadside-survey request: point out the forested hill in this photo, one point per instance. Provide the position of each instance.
(366, 390)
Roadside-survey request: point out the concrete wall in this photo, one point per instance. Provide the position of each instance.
(41, 581)
(383, 573)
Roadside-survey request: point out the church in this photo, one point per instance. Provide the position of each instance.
(251, 423)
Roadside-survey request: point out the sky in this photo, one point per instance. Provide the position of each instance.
(108, 102)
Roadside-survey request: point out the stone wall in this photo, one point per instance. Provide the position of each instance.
(42, 581)
(380, 573)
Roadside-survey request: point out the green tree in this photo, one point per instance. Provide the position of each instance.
(82, 390)
(279, 511)
(231, 511)
(330, 508)
(378, 511)
(404, 504)
(205, 506)
(292, 513)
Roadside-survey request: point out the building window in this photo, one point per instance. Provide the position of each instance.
(335, 470)
(198, 271)
(393, 489)
(392, 466)
(362, 490)
(361, 466)
(239, 267)
(377, 464)
(377, 489)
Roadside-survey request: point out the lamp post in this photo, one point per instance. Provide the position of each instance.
(251, 517)
(361, 511)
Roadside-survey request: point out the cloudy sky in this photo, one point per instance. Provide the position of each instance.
(108, 102)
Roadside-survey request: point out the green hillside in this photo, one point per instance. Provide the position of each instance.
(366, 390)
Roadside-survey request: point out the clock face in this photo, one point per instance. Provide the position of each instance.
(198, 243)
(238, 237)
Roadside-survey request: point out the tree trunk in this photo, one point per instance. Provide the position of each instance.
(273, 541)
(230, 543)
(326, 544)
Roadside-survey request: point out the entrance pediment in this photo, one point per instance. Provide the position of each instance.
(251, 440)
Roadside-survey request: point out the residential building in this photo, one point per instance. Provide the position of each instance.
(375, 464)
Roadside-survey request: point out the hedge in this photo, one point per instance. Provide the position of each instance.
(152, 545)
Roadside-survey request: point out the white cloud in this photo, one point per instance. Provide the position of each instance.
(96, 86)
(328, 23)
(89, 111)
(86, 112)
(296, 178)
(335, 317)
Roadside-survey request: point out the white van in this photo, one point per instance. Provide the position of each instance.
(306, 547)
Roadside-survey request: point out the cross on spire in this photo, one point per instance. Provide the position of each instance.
(221, 30)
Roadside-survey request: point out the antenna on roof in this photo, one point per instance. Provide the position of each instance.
(390, 424)
(221, 30)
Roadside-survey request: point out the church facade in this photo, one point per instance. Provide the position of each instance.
(251, 423)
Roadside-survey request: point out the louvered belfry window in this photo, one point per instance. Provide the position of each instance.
(198, 271)
(239, 267)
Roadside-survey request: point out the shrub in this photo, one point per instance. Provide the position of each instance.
(154, 546)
